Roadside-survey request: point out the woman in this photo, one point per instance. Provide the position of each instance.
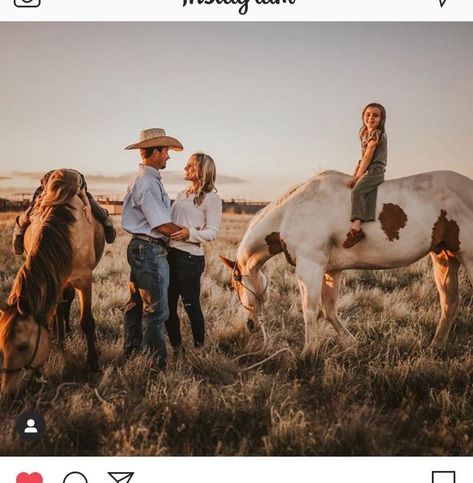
(198, 210)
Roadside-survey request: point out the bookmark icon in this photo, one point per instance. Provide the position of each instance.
(443, 477)
(121, 477)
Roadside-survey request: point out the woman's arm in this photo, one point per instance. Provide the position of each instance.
(213, 216)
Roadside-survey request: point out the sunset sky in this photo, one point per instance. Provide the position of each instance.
(271, 102)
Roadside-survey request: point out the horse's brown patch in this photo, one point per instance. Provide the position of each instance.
(277, 245)
(273, 240)
(287, 254)
(445, 235)
(392, 219)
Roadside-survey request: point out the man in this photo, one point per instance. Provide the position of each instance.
(147, 216)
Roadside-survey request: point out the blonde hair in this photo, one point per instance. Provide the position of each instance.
(62, 185)
(206, 172)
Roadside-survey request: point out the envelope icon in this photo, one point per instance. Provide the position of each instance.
(121, 476)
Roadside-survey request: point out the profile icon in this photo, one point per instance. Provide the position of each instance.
(31, 427)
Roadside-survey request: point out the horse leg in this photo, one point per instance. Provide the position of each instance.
(61, 318)
(446, 279)
(87, 324)
(309, 277)
(330, 290)
(58, 326)
(68, 296)
(467, 263)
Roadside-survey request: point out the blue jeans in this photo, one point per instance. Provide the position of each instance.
(147, 309)
(186, 270)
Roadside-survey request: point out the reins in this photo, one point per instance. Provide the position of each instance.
(238, 277)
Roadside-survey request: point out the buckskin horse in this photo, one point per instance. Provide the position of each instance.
(64, 243)
(426, 213)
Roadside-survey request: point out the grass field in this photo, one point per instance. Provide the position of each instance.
(390, 396)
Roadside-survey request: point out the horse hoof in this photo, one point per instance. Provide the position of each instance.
(437, 346)
(94, 367)
(307, 355)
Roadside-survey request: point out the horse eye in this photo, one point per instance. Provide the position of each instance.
(22, 347)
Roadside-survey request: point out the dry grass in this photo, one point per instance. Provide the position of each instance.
(391, 396)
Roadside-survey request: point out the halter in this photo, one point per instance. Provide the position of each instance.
(239, 279)
(29, 366)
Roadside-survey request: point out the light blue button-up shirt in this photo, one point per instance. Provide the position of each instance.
(146, 204)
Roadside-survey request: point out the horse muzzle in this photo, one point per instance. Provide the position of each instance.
(250, 323)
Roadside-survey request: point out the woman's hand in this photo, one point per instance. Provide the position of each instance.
(353, 181)
(180, 235)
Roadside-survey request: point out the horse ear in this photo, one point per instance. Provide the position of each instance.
(231, 265)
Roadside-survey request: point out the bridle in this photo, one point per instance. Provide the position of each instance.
(238, 278)
(29, 366)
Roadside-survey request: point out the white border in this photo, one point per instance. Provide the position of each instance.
(242, 470)
(301, 10)
(239, 470)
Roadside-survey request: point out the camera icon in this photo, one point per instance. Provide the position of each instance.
(27, 3)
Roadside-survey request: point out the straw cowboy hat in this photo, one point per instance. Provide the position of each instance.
(154, 138)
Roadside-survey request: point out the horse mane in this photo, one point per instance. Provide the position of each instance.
(274, 204)
(290, 193)
(38, 285)
(7, 319)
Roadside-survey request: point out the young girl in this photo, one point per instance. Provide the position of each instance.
(198, 211)
(369, 172)
(23, 221)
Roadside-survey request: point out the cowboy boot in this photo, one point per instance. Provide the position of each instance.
(104, 217)
(18, 237)
(110, 232)
(353, 237)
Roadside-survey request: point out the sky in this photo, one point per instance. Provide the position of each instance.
(272, 103)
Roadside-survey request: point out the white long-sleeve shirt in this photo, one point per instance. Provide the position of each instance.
(203, 221)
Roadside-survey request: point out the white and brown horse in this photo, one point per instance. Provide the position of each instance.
(427, 213)
(64, 243)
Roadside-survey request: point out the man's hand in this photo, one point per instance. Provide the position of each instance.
(353, 181)
(180, 235)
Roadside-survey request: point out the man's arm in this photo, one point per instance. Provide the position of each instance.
(167, 228)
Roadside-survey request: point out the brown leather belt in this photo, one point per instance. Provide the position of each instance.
(150, 239)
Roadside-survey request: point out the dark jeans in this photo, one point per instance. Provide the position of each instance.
(147, 309)
(185, 273)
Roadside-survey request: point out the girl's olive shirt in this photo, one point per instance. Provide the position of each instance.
(380, 155)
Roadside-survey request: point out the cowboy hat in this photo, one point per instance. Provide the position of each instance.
(154, 138)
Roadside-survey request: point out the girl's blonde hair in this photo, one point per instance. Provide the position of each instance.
(61, 186)
(382, 124)
(206, 172)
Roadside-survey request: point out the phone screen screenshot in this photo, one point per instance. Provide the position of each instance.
(236, 241)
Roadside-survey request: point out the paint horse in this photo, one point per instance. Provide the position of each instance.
(427, 213)
(64, 243)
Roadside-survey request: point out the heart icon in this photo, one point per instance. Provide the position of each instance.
(26, 478)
